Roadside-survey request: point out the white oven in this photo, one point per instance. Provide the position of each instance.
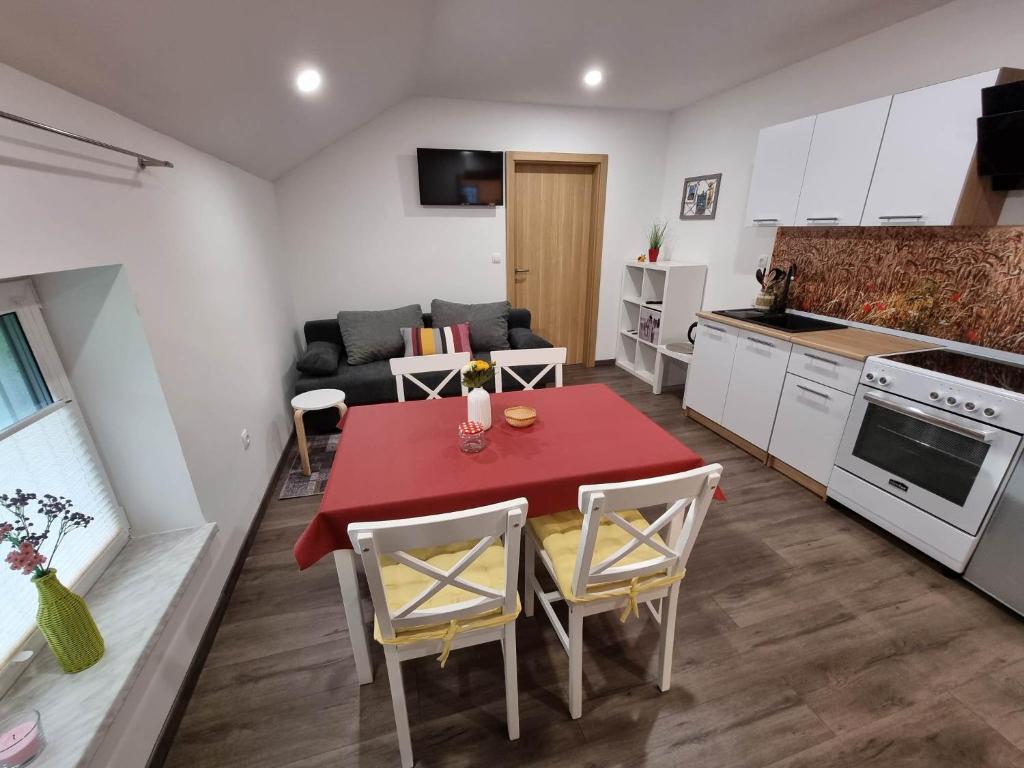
(947, 465)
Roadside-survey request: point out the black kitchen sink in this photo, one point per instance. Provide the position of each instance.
(783, 321)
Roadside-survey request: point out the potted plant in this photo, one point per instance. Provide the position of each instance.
(63, 617)
(656, 239)
(475, 374)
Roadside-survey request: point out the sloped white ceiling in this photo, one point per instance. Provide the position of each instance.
(217, 74)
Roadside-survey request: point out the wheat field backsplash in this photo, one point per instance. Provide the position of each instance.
(959, 283)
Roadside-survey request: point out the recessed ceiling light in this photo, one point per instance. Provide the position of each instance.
(308, 80)
(593, 77)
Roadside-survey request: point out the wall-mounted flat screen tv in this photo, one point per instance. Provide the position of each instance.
(460, 177)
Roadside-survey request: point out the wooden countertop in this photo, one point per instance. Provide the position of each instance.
(854, 343)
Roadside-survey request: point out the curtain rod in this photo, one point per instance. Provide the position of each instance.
(145, 161)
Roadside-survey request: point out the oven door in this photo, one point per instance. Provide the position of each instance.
(949, 466)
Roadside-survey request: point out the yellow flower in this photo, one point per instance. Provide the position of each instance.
(480, 365)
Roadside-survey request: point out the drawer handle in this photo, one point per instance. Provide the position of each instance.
(814, 391)
(715, 328)
(819, 358)
(760, 341)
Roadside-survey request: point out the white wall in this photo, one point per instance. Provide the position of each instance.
(199, 244)
(357, 238)
(91, 316)
(719, 134)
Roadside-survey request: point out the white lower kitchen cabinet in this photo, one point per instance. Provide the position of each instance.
(758, 373)
(809, 425)
(707, 379)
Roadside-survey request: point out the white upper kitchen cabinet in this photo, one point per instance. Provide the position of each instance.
(707, 378)
(778, 173)
(926, 153)
(840, 164)
(758, 372)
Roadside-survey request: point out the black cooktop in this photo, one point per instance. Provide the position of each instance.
(990, 372)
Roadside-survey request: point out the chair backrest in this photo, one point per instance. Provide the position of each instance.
(504, 360)
(671, 536)
(406, 368)
(403, 541)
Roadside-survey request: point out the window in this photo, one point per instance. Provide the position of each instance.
(45, 447)
(22, 389)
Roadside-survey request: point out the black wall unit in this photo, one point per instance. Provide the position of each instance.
(1001, 135)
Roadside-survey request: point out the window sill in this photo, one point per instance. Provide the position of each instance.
(131, 602)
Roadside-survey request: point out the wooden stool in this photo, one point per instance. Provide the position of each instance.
(314, 400)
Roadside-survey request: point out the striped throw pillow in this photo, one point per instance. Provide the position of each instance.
(436, 341)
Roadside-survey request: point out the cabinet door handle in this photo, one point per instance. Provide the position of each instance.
(764, 221)
(908, 217)
(714, 328)
(760, 341)
(822, 218)
(819, 358)
(814, 391)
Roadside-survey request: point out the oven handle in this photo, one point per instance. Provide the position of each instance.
(879, 398)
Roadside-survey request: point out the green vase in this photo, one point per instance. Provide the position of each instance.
(67, 625)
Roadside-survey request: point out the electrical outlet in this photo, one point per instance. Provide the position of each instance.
(246, 440)
(495, 258)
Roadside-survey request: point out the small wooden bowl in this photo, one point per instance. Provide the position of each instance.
(520, 416)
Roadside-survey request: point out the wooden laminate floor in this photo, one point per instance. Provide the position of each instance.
(806, 637)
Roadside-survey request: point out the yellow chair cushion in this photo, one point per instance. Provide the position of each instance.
(559, 535)
(402, 583)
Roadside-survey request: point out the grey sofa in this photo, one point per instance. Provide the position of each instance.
(373, 382)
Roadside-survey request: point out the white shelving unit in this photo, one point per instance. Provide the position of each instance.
(669, 294)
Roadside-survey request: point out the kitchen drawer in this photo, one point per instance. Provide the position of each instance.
(834, 371)
(809, 426)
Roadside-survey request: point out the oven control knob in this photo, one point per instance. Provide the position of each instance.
(883, 380)
(869, 376)
(990, 412)
(934, 395)
(969, 406)
(951, 400)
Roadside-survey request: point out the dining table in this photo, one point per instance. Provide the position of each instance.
(403, 460)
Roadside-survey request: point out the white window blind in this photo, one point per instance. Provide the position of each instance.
(50, 452)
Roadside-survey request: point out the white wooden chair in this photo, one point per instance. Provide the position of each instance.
(504, 360)
(610, 558)
(441, 582)
(407, 368)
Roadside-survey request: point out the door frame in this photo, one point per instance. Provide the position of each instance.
(600, 165)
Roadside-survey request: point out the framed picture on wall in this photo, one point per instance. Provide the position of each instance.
(700, 196)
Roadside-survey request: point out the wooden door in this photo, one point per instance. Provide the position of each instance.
(555, 227)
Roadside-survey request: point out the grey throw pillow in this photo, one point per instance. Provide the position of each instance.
(377, 334)
(319, 359)
(488, 323)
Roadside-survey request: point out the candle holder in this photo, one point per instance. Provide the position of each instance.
(21, 739)
(472, 437)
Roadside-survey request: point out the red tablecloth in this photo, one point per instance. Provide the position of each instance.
(402, 459)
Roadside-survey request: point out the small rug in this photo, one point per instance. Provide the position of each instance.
(321, 457)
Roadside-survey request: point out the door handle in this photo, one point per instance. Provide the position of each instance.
(884, 401)
(521, 270)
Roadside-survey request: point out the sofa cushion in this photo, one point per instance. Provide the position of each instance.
(377, 334)
(436, 341)
(488, 323)
(319, 359)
